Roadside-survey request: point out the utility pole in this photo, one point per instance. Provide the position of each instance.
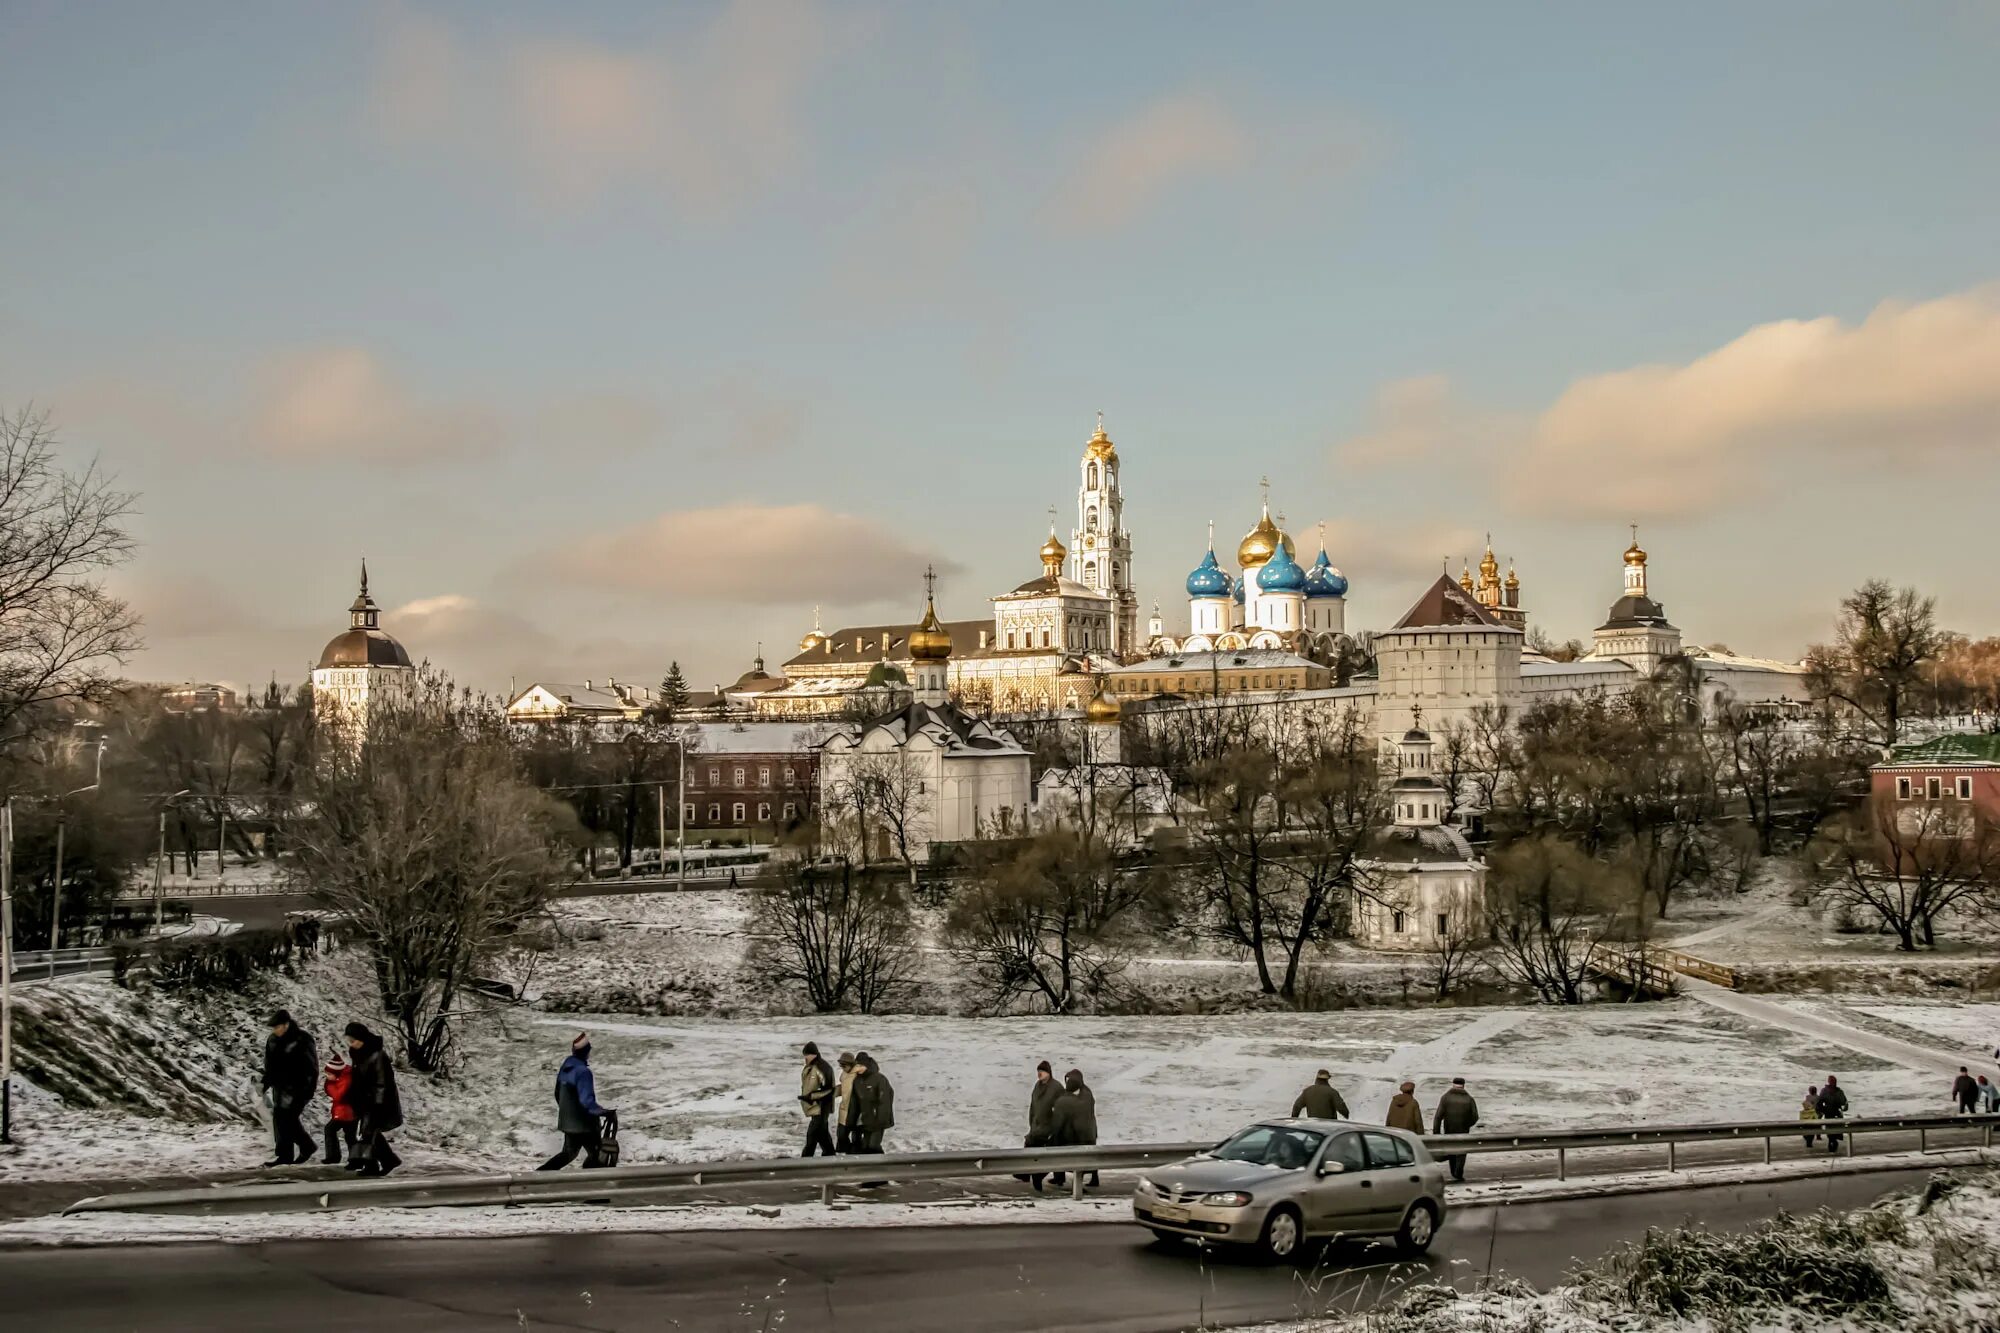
(55, 895)
(663, 830)
(681, 818)
(221, 843)
(159, 857)
(7, 972)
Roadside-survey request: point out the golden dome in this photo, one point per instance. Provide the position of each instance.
(1053, 553)
(929, 642)
(1633, 555)
(1102, 707)
(1100, 445)
(1489, 568)
(1513, 579)
(1465, 577)
(1261, 542)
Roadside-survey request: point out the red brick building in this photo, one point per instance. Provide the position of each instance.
(1946, 786)
(750, 775)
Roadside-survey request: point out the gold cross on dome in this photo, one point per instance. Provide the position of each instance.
(1052, 520)
(930, 582)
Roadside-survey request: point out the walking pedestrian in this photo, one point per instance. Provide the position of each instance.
(1832, 1105)
(291, 1072)
(1041, 1115)
(1965, 1091)
(874, 1104)
(817, 1090)
(1809, 1110)
(339, 1084)
(579, 1118)
(1989, 1097)
(1456, 1113)
(1404, 1112)
(843, 1119)
(377, 1108)
(1073, 1122)
(1320, 1100)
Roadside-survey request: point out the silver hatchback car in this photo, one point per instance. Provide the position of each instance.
(1279, 1183)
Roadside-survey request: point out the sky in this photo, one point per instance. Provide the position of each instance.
(618, 334)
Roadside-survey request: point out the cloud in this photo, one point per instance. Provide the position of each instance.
(772, 555)
(341, 403)
(1131, 164)
(1415, 419)
(1391, 558)
(1909, 384)
(711, 116)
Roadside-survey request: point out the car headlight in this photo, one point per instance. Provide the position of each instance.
(1226, 1199)
(1147, 1187)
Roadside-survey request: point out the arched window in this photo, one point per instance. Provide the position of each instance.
(1090, 519)
(1090, 482)
(1090, 571)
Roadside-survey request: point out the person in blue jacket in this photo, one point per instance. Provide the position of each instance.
(578, 1115)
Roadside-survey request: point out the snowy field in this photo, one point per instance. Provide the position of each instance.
(689, 1088)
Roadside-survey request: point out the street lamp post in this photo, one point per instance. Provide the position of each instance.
(56, 886)
(159, 860)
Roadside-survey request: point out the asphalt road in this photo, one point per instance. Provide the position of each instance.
(978, 1279)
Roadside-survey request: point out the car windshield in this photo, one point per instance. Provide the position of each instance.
(1281, 1146)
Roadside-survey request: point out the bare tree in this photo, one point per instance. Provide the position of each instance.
(1551, 909)
(842, 934)
(1454, 956)
(1334, 799)
(427, 838)
(888, 789)
(1884, 636)
(1908, 863)
(1042, 914)
(61, 633)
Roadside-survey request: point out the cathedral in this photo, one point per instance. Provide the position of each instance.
(1274, 602)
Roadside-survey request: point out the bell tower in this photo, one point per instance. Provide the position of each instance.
(1100, 553)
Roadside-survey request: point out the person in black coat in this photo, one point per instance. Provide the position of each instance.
(377, 1107)
(291, 1076)
(1073, 1120)
(1041, 1115)
(1832, 1105)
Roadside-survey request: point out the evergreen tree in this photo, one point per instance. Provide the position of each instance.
(673, 693)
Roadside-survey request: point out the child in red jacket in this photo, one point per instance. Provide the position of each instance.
(340, 1110)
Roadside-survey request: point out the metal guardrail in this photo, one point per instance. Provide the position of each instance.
(633, 1183)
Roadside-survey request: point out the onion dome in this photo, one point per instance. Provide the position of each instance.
(1323, 580)
(364, 642)
(1053, 554)
(1100, 446)
(1489, 566)
(882, 675)
(1261, 540)
(1634, 555)
(1465, 577)
(929, 641)
(1102, 707)
(1236, 589)
(1513, 579)
(1281, 573)
(1208, 580)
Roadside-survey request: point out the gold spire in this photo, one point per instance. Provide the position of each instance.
(1489, 568)
(1102, 707)
(1633, 554)
(929, 641)
(1465, 576)
(1100, 445)
(1513, 579)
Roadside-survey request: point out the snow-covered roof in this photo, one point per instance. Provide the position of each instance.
(1711, 660)
(1583, 666)
(750, 737)
(1241, 659)
(946, 726)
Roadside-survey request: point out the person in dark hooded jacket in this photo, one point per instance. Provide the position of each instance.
(578, 1116)
(1832, 1105)
(1041, 1114)
(1456, 1113)
(1073, 1121)
(291, 1076)
(377, 1107)
(874, 1103)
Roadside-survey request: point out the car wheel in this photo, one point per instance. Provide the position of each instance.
(1284, 1235)
(1418, 1230)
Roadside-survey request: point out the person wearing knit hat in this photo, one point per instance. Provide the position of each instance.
(1041, 1110)
(817, 1089)
(579, 1119)
(843, 1120)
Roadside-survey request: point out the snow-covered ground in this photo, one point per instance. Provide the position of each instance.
(692, 1088)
